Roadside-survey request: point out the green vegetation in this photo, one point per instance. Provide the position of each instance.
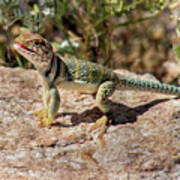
(82, 28)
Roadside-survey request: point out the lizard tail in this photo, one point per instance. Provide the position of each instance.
(145, 85)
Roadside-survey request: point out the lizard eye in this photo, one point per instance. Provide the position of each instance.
(36, 43)
(42, 43)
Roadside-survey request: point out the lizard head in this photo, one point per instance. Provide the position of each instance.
(35, 49)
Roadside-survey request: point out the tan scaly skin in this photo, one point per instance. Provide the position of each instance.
(74, 74)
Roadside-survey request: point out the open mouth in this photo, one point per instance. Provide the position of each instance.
(21, 46)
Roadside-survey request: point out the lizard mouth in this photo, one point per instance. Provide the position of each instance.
(21, 46)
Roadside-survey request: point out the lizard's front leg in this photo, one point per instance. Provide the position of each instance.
(51, 101)
(45, 98)
(105, 90)
(52, 104)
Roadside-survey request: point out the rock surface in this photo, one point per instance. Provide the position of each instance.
(142, 142)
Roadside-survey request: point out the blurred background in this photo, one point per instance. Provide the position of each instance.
(142, 36)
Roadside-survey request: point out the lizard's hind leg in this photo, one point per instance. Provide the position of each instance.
(105, 90)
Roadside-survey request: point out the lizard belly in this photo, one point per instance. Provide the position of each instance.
(80, 87)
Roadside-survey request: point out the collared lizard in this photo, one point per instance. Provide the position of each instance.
(74, 74)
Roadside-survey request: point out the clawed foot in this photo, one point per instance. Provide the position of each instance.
(46, 122)
(43, 118)
(41, 114)
(100, 123)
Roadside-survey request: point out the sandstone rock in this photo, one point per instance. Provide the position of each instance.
(143, 141)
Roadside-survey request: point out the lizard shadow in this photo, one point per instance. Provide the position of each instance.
(120, 114)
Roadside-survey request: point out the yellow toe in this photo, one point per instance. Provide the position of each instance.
(41, 114)
(100, 123)
(46, 122)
